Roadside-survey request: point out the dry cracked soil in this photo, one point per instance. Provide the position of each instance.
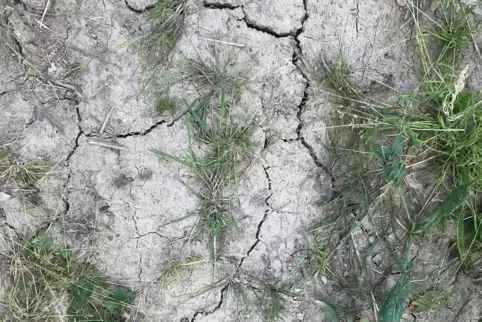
(125, 209)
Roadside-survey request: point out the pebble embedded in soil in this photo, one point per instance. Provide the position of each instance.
(276, 268)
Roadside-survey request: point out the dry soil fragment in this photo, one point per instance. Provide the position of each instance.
(279, 16)
(140, 5)
(224, 4)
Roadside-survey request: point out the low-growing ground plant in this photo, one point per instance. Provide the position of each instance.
(165, 104)
(373, 148)
(174, 269)
(49, 284)
(205, 78)
(227, 153)
(166, 22)
(24, 173)
(217, 73)
(260, 295)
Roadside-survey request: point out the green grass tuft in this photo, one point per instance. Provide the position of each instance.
(217, 73)
(165, 104)
(166, 20)
(226, 154)
(375, 152)
(175, 269)
(338, 77)
(50, 285)
(453, 30)
(23, 172)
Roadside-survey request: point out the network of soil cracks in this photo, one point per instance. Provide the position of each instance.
(72, 97)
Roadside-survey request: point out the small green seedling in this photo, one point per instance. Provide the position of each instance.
(274, 303)
(338, 77)
(175, 269)
(165, 105)
(391, 157)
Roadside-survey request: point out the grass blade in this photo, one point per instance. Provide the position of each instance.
(172, 158)
(454, 200)
(461, 236)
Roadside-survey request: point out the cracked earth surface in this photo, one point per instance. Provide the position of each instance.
(115, 200)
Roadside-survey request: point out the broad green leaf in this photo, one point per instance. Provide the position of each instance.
(330, 313)
(80, 294)
(123, 295)
(119, 299)
(454, 200)
(394, 304)
(43, 242)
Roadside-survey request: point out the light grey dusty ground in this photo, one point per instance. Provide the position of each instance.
(120, 206)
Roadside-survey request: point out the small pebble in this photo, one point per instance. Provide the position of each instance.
(377, 259)
(4, 196)
(371, 239)
(277, 268)
(52, 69)
(324, 280)
(401, 3)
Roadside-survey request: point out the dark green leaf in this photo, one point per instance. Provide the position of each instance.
(415, 140)
(276, 306)
(386, 153)
(394, 305)
(395, 172)
(454, 200)
(330, 313)
(43, 242)
(80, 294)
(391, 156)
(119, 298)
(123, 295)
